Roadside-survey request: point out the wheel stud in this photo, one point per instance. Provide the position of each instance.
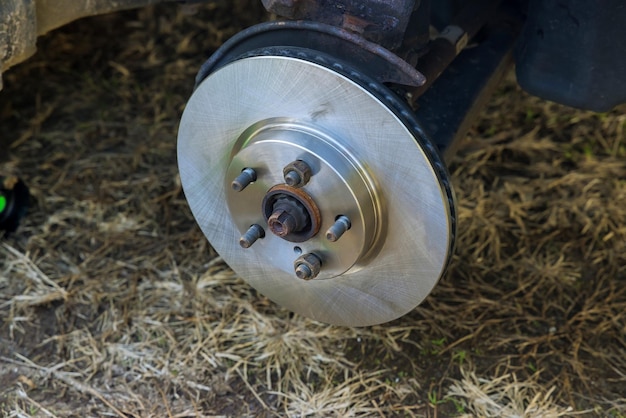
(307, 266)
(297, 173)
(304, 272)
(341, 225)
(251, 236)
(292, 178)
(247, 176)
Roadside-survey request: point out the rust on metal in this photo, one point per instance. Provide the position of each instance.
(283, 218)
(307, 266)
(297, 173)
(383, 22)
(375, 60)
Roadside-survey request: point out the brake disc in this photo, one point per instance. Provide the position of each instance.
(317, 186)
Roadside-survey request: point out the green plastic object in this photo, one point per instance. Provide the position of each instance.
(14, 199)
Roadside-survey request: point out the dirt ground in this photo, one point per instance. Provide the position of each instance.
(114, 304)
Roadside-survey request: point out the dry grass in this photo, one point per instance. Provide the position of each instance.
(505, 397)
(113, 303)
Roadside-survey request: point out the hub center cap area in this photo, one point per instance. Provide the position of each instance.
(296, 191)
(291, 213)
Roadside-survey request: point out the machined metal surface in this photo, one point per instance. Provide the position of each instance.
(367, 165)
(338, 185)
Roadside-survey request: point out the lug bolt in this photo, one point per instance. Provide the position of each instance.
(307, 266)
(297, 173)
(341, 225)
(247, 176)
(251, 236)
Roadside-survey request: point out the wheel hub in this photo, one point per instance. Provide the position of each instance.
(314, 189)
(338, 186)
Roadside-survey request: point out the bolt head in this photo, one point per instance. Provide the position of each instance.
(297, 173)
(307, 266)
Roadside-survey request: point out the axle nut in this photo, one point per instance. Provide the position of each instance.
(291, 213)
(297, 173)
(282, 223)
(307, 266)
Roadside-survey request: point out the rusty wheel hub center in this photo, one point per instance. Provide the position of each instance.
(291, 213)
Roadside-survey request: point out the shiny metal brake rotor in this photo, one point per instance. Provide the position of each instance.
(315, 190)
